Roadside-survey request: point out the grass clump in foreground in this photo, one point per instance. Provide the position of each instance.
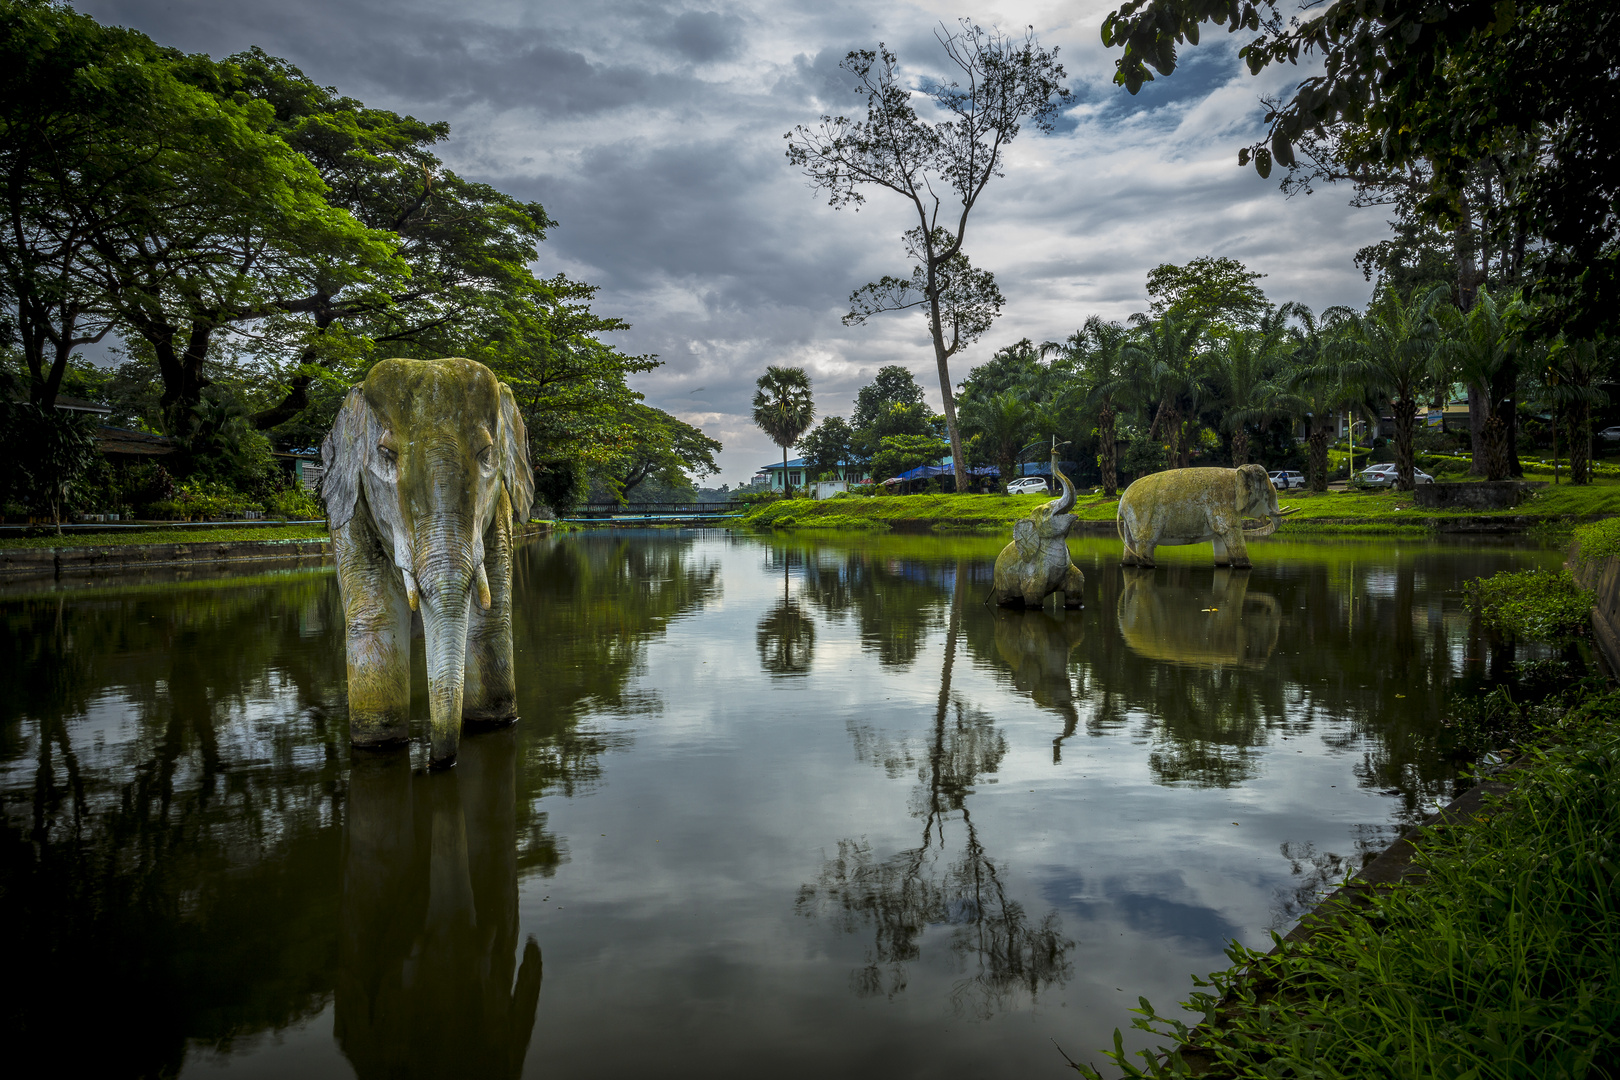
(1598, 540)
(1499, 959)
(123, 538)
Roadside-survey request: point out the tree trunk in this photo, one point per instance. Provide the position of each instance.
(786, 488)
(1107, 452)
(1496, 448)
(1317, 462)
(1405, 411)
(1240, 447)
(1478, 412)
(1578, 430)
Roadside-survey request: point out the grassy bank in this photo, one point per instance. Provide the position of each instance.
(1497, 954)
(178, 535)
(1352, 512)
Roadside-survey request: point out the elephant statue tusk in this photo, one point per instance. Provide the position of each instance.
(411, 596)
(481, 579)
(1286, 510)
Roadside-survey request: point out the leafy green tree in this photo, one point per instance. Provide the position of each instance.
(1451, 85)
(902, 453)
(1390, 350)
(661, 448)
(569, 384)
(892, 385)
(466, 247)
(784, 409)
(1474, 348)
(1006, 82)
(828, 445)
(1572, 376)
(1100, 353)
(1212, 290)
(1005, 421)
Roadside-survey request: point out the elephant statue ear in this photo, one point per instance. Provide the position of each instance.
(343, 455)
(516, 471)
(1028, 539)
(1251, 487)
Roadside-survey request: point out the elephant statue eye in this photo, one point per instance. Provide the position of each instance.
(485, 455)
(387, 453)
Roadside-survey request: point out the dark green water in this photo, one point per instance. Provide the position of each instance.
(781, 808)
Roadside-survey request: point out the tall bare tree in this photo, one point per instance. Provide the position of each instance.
(1001, 82)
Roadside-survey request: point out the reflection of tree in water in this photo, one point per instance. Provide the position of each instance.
(786, 636)
(1318, 873)
(1004, 953)
(895, 602)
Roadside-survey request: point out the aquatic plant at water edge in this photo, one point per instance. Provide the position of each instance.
(1532, 605)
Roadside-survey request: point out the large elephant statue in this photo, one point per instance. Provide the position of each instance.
(1198, 506)
(1036, 564)
(426, 468)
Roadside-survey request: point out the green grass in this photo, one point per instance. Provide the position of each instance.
(1599, 540)
(1388, 512)
(1498, 959)
(124, 537)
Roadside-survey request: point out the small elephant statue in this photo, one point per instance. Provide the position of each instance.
(1198, 506)
(426, 467)
(1036, 564)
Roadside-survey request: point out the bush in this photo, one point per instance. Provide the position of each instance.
(754, 498)
(1532, 605)
(203, 500)
(294, 504)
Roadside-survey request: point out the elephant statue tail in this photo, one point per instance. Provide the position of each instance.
(1125, 538)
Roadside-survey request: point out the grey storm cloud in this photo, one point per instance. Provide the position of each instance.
(653, 132)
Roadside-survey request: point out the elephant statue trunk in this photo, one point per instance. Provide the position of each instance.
(426, 467)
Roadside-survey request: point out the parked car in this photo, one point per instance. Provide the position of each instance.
(1610, 434)
(1027, 485)
(1283, 479)
(1384, 475)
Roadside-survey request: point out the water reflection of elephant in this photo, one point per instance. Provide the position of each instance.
(1224, 625)
(430, 919)
(1036, 649)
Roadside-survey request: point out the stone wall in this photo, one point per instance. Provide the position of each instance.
(1602, 576)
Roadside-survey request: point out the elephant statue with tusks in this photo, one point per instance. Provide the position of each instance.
(1198, 506)
(1036, 564)
(426, 467)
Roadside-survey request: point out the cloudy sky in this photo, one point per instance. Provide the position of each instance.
(652, 131)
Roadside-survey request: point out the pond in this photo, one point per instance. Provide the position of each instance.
(784, 806)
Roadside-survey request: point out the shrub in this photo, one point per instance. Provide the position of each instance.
(1532, 605)
(294, 504)
(1598, 540)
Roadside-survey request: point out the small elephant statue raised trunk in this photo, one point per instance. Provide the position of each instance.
(426, 468)
(1036, 564)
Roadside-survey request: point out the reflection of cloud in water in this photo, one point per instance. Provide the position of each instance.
(1145, 906)
(1173, 622)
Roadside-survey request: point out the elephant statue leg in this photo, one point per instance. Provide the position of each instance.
(490, 697)
(1234, 549)
(377, 637)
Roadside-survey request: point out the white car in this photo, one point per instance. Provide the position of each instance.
(1610, 434)
(1283, 479)
(1384, 475)
(1027, 485)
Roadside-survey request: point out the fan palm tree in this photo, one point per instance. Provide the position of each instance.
(1475, 348)
(784, 409)
(1099, 355)
(1390, 350)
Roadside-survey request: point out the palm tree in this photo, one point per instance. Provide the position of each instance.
(1316, 387)
(1390, 350)
(1004, 420)
(1174, 361)
(1098, 352)
(1244, 361)
(1572, 371)
(783, 409)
